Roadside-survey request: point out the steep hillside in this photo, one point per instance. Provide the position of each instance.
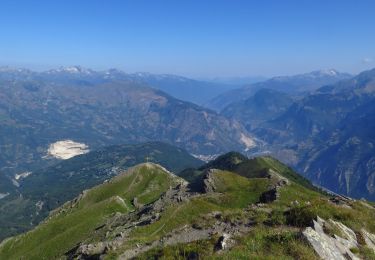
(257, 167)
(46, 189)
(293, 85)
(328, 136)
(147, 212)
(264, 105)
(78, 219)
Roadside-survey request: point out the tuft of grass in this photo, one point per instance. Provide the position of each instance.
(201, 249)
(301, 216)
(311, 204)
(277, 217)
(355, 250)
(266, 243)
(367, 253)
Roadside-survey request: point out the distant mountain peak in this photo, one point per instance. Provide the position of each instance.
(325, 72)
(114, 71)
(316, 74)
(72, 69)
(13, 69)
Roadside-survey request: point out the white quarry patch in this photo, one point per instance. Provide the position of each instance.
(3, 195)
(21, 176)
(67, 149)
(247, 141)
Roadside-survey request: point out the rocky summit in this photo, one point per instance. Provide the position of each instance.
(229, 208)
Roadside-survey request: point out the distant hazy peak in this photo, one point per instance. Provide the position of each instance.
(72, 69)
(316, 74)
(10, 69)
(324, 72)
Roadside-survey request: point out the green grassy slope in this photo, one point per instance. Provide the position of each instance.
(251, 168)
(74, 223)
(57, 184)
(258, 231)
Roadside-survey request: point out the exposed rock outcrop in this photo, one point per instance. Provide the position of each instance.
(223, 242)
(118, 227)
(209, 182)
(272, 193)
(335, 246)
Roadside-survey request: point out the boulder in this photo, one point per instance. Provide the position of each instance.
(328, 247)
(223, 242)
(269, 196)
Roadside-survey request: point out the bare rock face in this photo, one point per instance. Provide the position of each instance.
(272, 193)
(209, 182)
(136, 204)
(331, 247)
(277, 178)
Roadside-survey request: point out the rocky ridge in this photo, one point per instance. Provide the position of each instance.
(149, 212)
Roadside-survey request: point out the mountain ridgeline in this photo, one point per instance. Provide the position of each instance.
(296, 85)
(246, 208)
(48, 188)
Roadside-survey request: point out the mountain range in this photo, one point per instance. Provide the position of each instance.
(327, 134)
(107, 165)
(40, 111)
(315, 122)
(179, 87)
(295, 85)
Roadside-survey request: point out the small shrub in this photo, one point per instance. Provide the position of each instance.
(360, 238)
(367, 253)
(280, 237)
(277, 218)
(260, 217)
(301, 216)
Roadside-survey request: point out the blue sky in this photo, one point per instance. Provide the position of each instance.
(201, 38)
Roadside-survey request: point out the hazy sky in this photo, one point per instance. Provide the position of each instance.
(199, 38)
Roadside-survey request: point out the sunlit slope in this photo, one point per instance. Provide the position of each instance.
(254, 209)
(77, 220)
(48, 188)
